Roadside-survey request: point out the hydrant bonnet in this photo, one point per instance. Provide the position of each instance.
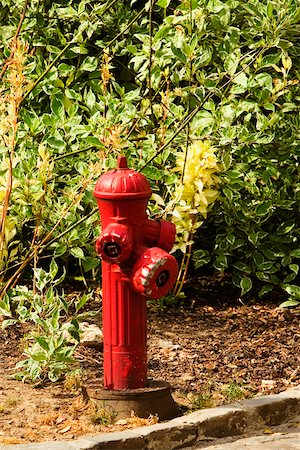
(122, 182)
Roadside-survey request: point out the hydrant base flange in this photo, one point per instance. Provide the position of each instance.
(156, 399)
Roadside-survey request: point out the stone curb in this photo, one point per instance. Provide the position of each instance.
(188, 430)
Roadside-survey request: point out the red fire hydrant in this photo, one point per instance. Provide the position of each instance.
(136, 265)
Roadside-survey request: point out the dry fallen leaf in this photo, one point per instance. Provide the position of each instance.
(64, 430)
(268, 431)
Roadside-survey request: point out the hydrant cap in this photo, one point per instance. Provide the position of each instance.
(122, 182)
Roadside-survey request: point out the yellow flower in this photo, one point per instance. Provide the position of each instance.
(196, 192)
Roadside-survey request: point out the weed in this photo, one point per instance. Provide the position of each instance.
(47, 346)
(102, 414)
(200, 401)
(73, 381)
(233, 391)
(10, 401)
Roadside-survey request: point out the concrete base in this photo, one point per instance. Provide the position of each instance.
(156, 399)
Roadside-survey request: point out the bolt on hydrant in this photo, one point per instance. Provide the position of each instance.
(136, 265)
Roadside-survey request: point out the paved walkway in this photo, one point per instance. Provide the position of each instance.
(285, 436)
(276, 441)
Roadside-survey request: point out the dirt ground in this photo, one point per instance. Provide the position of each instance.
(211, 354)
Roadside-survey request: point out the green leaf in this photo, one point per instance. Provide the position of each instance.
(53, 269)
(265, 81)
(227, 160)
(203, 119)
(42, 342)
(89, 64)
(90, 99)
(228, 193)
(61, 278)
(38, 356)
(56, 143)
(163, 3)
(270, 60)
(286, 227)
(215, 6)
(42, 278)
(246, 285)
(65, 69)
(152, 173)
(221, 262)
(90, 263)
(231, 63)
(293, 290)
(258, 258)
(289, 304)
(294, 268)
(72, 94)
(5, 307)
(266, 266)
(177, 52)
(80, 49)
(270, 10)
(200, 258)
(7, 323)
(241, 80)
(296, 253)
(265, 289)
(242, 267)
(57, 107)
(82, 301)
(74, 333)
(253, 237)
(234, 174)
(289, 278)
(77, 252)
(263, 209)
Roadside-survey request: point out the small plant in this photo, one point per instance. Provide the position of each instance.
(73, 381)
(233, 392)
(8, 403)
(102, 415)
(200, 401)
(48, 351)
(46, 359)
(11, 401)
(166, 302)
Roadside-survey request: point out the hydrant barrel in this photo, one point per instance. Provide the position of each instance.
(131, 272)
(124, 331)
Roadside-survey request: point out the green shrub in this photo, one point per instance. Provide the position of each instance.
(152, 80)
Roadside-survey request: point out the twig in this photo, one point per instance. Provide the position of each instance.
(22, 17)
(150, 56)
(57, 58)
(127, 27)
